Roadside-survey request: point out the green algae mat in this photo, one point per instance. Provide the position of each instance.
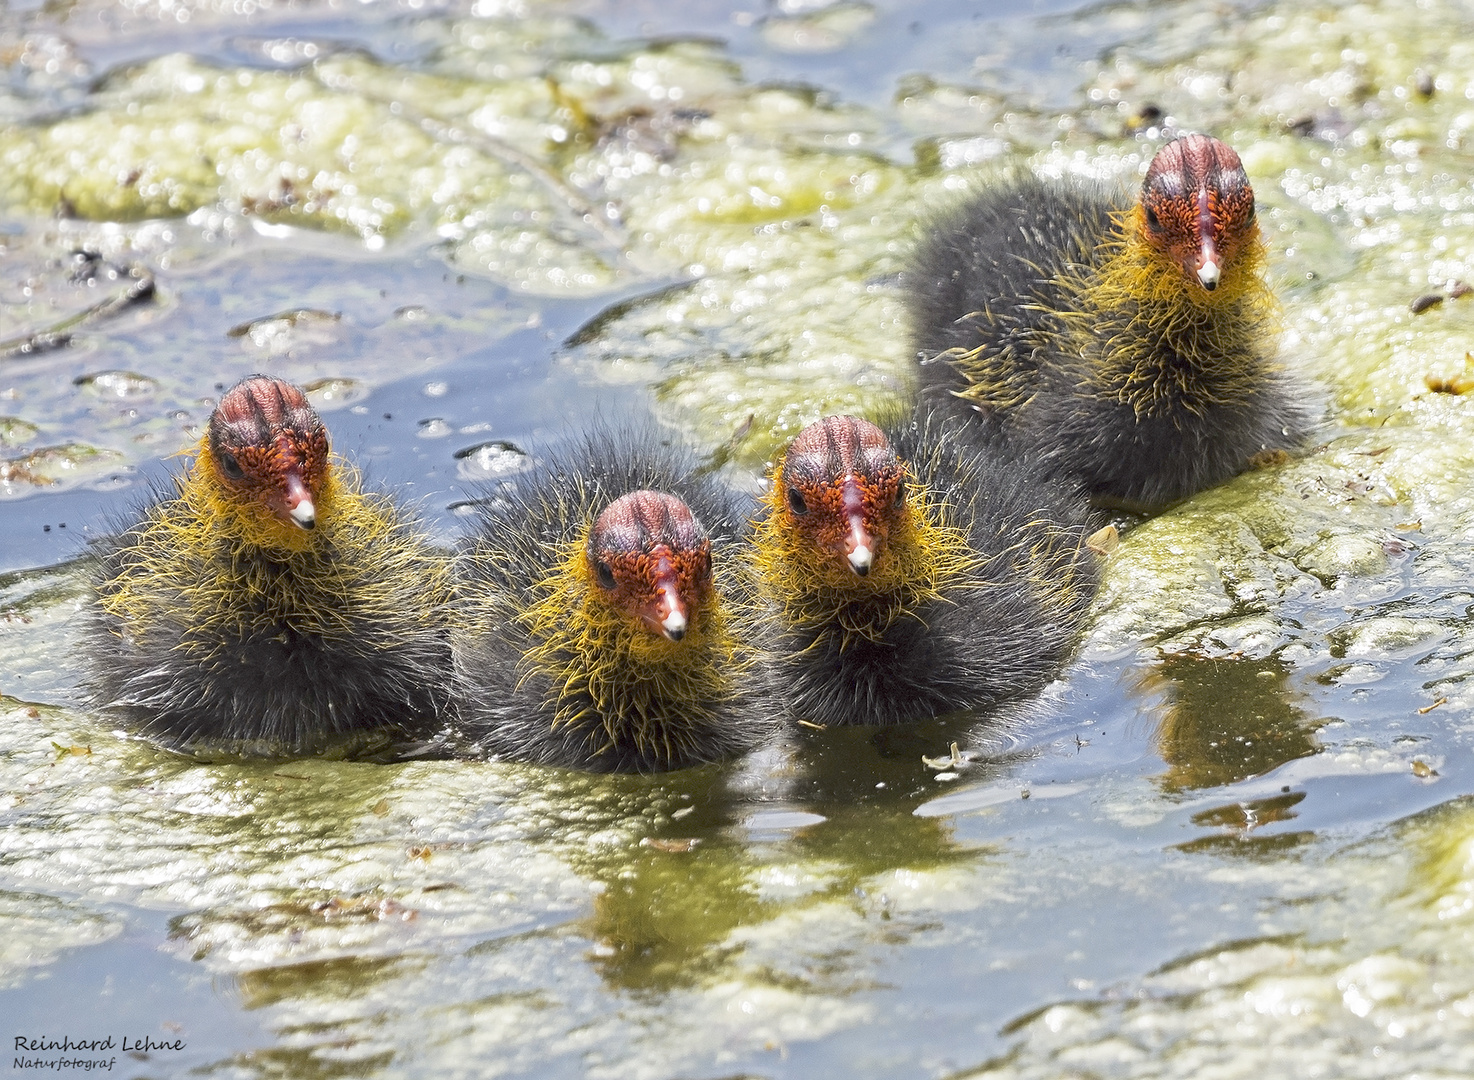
(1235, 839)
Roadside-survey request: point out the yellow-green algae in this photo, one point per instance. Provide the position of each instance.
(1386, 983)
(320, 885)
(569, 176)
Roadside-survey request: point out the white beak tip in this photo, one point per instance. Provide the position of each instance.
(1208, 274)
(674, 625)
(304, 514)
(860, 559)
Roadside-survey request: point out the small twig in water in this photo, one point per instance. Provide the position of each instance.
(59, 336)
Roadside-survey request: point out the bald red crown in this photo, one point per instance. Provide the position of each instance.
(1197, 206)
(843, 487)
(269, 445)
(836, 445)
(652, 560)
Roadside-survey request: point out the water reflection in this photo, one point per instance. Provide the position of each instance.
(831, 816)
(1225, 720)
(311, 890)
(308, 1062)
(341, 978)
(664, 887)
(674, 886)
(1246, 846)
(667, 912)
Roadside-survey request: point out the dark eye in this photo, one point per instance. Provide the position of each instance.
(606, 575)
(796, 502)
(1151, 219)
(900, 492)
(231, 467)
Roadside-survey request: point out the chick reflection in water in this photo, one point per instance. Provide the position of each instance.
(688, 904)
(1225, 720)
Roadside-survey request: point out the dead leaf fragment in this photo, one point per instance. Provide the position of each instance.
(1459, 384)
(1104, 541)
(1268, 459)
(952, 761)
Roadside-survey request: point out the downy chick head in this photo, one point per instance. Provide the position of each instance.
(650, 560)
(841, 492)
(1197, 208)
(266, 453)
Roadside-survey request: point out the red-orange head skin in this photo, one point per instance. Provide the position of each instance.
(1197, 207)
(843, 490)
(269, 449)
(651, 559)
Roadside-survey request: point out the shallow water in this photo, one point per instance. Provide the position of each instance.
(1234, 839)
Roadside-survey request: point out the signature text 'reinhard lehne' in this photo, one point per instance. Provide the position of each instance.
(67, 1043)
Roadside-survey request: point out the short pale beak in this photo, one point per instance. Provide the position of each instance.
(674, 624)
(1208, 269)
(859, 546)
(299, 502)
(669, 613)
(1209, 273)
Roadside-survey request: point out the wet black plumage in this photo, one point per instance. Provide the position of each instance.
(267, 606)
(548, 669)
(975, 595)
(1088, 332)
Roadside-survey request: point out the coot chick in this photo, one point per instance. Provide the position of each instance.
(913, 574)
(1133, 348)
(268, 606)
(600, 605)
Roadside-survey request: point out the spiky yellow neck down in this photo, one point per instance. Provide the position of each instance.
(201, 561)
(924, 556)
(1136, 270)
(1156, 340)
(611, 676)
(249, 521)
